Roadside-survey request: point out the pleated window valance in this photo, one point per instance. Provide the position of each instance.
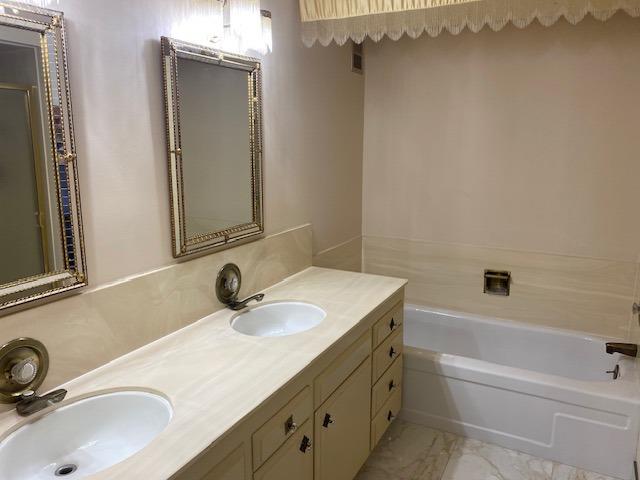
(327, 21)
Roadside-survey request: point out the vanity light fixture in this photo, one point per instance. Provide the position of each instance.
(201, 22)
(267, 35)
(246, 27)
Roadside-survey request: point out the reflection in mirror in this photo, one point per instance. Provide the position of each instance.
(215, 146)
(214, 139)
(40, 235)
(25, 181)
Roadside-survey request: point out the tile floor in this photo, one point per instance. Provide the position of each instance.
(414, 452)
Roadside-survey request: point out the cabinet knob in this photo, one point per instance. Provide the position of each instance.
(305, 445)
(392, 324)
(392, 385)
(392, 352)
(327, 421)
(390, 416)
(290, 426)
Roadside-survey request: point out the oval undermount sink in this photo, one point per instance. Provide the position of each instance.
(84, 437)
(278, 319)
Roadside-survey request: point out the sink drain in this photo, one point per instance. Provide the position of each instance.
(65, 470)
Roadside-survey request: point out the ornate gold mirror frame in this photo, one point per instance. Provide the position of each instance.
(172, 50)
(60, 152)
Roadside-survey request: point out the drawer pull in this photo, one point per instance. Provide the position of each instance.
(290, 426)
(327, 421)
(392, 385)
(392, 324)
(390, 416)
(392, 352)
(305, 445)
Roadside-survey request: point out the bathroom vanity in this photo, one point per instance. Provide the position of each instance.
(309, 405)
(323, 423)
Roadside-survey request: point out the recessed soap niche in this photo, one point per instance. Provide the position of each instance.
(497, 282)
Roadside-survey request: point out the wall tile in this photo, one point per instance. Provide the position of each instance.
(346, 256)
(584, 294)
(87, 330)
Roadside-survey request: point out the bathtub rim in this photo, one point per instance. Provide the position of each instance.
(558, 387)
(514, 323)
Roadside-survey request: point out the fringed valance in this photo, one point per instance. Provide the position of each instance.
(325, 21)
(312, 10)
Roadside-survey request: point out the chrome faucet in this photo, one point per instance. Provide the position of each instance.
(228, 284)
(30, 403)
(630, 349)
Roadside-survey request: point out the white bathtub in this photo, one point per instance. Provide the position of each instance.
(538, 390)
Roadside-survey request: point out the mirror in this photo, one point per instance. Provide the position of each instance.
(41, 247)
(213, 112)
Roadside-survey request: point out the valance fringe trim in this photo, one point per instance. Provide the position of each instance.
(455, 18)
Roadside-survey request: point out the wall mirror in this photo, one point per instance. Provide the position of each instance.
(214, 136)
(41, 246)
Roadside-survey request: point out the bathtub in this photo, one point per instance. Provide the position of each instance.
(542, 391)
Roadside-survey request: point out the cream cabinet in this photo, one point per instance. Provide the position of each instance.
(233, 466)
(294, 460)
(342, 428)
(324, 423)
(268, 438)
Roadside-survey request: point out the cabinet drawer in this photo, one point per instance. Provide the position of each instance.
(338, 371)
(268, 438)
(293, 460)
(388, 324)
(385, 417)
(390, 381)
(386, 353)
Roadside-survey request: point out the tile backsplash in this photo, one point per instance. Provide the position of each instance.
(87, 330)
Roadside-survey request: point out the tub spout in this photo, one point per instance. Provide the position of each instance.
(630, 349)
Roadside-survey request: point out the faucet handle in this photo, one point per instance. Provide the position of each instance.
(24, 372)
(27, 394)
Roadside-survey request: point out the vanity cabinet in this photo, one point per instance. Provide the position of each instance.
(342, 428)
(386, 393)
(268, 438)
(293, 460)
(231, 467)
(324, 423)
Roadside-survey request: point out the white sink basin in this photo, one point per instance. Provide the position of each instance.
(84, 437)
(278, 319)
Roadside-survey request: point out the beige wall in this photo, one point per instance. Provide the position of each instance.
(313, 123)
(313, 132)
(524, 140)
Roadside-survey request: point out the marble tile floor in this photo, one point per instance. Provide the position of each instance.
(414, 452)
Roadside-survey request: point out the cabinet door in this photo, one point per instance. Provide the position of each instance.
(342, 426)
(233, 467)
(293, 460)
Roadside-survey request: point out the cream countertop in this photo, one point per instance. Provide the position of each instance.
(215, 376)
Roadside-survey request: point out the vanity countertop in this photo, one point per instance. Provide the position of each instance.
(215, 376)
